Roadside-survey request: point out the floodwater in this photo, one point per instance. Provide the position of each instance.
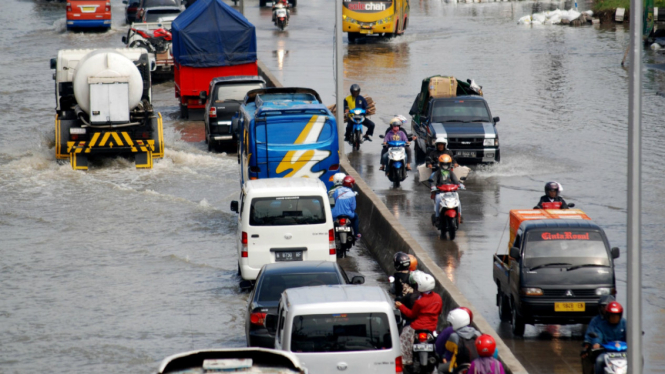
(115, 268)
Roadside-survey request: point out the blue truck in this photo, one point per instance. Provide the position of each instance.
(286, 132)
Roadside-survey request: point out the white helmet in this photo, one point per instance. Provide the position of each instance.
(338, 178)
(441, 140)
(458, 318)
(424, 281)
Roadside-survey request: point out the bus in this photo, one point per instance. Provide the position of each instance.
(286, 132)
(370, 17)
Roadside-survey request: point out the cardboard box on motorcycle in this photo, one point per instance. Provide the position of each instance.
(517, 216)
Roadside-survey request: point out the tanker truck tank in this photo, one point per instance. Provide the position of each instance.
(103, 106)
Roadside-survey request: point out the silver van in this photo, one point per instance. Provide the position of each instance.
(339, 328)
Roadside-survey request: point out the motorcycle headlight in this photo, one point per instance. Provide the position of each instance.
(491, 142)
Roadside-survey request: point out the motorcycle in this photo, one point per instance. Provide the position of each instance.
(281, 16)
(158, 42)
(396, 168)
(449, 210)
(345, 237)
(616, 361)
(554, 205)
(357, 117)
(425, 358)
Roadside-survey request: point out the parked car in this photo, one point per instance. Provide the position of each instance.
(224, 98)
(331, 328)
(131, 7)
(160, 14)
(283, 220)
(273, 279)
(251, 360)
(147, 4)
(88, 14)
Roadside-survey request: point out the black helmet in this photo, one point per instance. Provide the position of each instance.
(552, 186)
(355, 88)
(402, 261)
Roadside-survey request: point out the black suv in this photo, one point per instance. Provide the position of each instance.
(225, 96)
(273, 279)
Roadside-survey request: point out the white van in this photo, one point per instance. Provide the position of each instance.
(283, 219)
(339, 328)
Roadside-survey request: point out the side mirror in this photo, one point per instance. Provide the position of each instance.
(245, 285)
(234, 206)
(203, 95)
(515, 253)
(615, 252)
(358, 279)
(124, 40)
(270, 322)
(332, 201)
(496, 119)
(54, 63)
(571, 205)
(234, 127)
(382, 136)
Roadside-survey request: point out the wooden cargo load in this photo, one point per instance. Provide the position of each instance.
(517, 216)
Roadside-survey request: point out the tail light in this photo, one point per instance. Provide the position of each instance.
(257, 318)
(74, 136)
(342, 221)
(422, 337)
(331, 242)
(213, 112)
(398, 365)
(108, 7)
(69, 7)
(244, 245)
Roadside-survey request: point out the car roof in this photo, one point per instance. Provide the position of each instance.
(559, 224)
(335, 294)
(292, 185)
(238, 78)
(152, 3)
(461, 97)
(300, 267)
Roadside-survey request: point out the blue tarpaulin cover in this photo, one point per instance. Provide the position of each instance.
(211, 33)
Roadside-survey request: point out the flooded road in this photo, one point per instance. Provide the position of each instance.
(113, 269)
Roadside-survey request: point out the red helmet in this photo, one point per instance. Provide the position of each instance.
(348, 181)
(614, 308)
(468, 311)
(485, 345)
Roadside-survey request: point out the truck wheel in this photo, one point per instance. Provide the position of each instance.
(498, 155)
(184, 113)
(517, 322)
(353, 36)
(504, 307)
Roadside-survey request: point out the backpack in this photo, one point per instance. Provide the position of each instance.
(466, 350)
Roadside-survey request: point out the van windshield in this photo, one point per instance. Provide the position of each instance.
(573, 248)
(460, 111)
(287, 210)
(341, 332)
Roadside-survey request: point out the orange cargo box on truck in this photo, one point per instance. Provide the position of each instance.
(517, 216)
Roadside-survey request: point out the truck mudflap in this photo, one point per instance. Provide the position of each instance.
(108, 142)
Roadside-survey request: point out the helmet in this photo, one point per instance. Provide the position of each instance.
(552, 186)
(395, 122)
(485, 345)
(414, 263)
(402, 261)
(468, 311)
(445, 161)
(355, 88)
(338, 178)
(443, 141)
(614, 308)
(424, 281)
(401, 118)
(458, 318)
(348, 181)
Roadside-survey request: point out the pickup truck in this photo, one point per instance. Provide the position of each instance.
(554, 273)
(464, 120)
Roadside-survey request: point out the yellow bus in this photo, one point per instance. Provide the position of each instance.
(371, 17)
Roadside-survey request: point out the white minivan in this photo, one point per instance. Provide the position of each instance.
(283, 219)
(339, 328)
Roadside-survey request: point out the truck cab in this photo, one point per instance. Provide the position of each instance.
(224, 99)
(463, 119)
(554, 273)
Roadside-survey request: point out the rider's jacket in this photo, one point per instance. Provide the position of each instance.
(547, 199)
(445, 177)
(433, 157)
(396, 136)
(351, 103)
(345, 202)
(606, 332)
(425, 311)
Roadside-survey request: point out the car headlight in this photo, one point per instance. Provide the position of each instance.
(602, 291)
(491, 142)
(532, 291)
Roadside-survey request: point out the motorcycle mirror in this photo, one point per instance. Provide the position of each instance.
(382, 136)
(572, 205)
(391, 279)
(124, 39)
(463, 179)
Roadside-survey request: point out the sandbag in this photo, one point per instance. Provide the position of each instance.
(526, 20)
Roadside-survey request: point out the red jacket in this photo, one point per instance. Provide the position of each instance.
(425, 312)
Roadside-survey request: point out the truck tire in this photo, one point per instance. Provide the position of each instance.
(353, 36)
(262, 3)
(517, 321)
(184, 113)
(504, 307)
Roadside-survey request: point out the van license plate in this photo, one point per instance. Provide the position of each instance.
(288, 256)
(88, 9)
(343, 229)
(423, 347)
(569, 307)
(466, 154)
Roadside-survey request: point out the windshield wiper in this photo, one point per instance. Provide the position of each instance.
(587, 266)
(480, 120)
(550, 264)
(455, 120)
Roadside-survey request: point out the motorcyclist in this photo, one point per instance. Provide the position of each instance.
(402, 262)
(345, 202)
(356, 101)
(552, 196)
(587, 360)
(280, 3)
(403, 120)
(444, 175)
(462, 341)
(485, 363)
(395, 134)
(611, 328)
(440, 149)
(338, 179)
(425, 313)
(442, 338)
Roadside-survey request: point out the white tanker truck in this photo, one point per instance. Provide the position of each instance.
(103, 106)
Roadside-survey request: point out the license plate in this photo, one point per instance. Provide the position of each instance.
(288, 256)
(88, 9)
(368, 32)
(466, 154)
(423, 347)
(343, 229)
(569, 307)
